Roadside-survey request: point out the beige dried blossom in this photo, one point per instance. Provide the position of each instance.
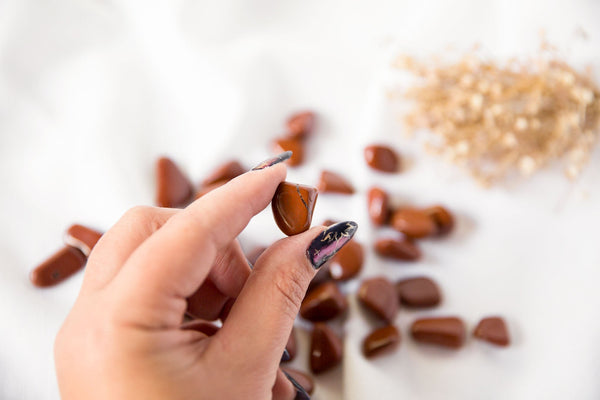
(498, 119)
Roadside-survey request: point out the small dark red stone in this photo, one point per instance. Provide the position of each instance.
(323, 303)
(378, 206)
(418, 292)
(326, 349)
(294, 145)
(493, 330)
(348, 262)
(442, 218)
(58, 267)
(173, 188)
(382, 158)
(447, 331)
(381, 341)
(379, 296)
(300, 124)
(413, 223)
(334, 183)
(82, 237)
(400, 249)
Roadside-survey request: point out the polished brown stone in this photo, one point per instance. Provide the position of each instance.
(294, 145)
(58, 267)
(173, 188)
(348, 262)
(321, 277)
(82, 237)
(400, 249)
(382, 158)
(413, 223)
(323, 303)
(447, 331)
(418, 292)
(381, 341)
(300, 124)
(293, 205)
(326, 349)
(330, 182)
(378, 206)
(224, 172)
(442, 218)
(379, 296)
(492, 330)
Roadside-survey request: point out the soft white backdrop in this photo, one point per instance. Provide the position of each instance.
(91, 92)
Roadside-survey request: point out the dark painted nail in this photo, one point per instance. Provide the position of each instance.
(329, 242)
(286, 356)
(273, 160)
(300, 392)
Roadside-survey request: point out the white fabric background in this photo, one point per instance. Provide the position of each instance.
(91, 92)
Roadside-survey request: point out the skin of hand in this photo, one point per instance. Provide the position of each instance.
(123, 337)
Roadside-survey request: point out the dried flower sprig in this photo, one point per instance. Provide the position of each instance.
(497, 119)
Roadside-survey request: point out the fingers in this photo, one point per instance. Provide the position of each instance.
(174, 261)
(225, 281)
(116, 245)
(207, 302)
(230, 270)
(261, 319)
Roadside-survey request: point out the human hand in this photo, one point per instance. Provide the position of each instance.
(123, 337)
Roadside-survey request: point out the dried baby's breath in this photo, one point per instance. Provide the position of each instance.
(495, 119)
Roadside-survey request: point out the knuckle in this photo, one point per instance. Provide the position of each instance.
(154, 221)
(138, 213)
(150, 217)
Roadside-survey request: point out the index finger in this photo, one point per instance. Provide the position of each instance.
(172, 263)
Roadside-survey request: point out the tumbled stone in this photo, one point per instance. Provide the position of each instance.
(293, 205)
(173, 188)
(325, 349)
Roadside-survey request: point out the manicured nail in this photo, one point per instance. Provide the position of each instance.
(329, 242)
(300, 392)
(273, 160)
(286, 356)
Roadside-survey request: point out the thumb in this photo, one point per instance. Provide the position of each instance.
(261, 319)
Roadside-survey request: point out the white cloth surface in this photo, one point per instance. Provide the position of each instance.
(91, 92)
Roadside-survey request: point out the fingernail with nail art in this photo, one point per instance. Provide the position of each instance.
(329, 242)
(273, 160)
(300, 392)
(286, 356)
